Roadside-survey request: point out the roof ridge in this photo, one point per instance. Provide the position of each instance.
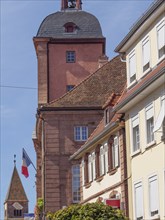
(84, 80)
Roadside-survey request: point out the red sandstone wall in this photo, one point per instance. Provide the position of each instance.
(62, 73)
(59, 136)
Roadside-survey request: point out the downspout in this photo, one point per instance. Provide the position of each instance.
(43, 156)
(43, 161)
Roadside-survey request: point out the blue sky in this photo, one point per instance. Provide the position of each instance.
(20, 21)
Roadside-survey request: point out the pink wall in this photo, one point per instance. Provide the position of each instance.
(62, 73)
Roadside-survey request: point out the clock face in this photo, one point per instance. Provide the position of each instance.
(17, 206)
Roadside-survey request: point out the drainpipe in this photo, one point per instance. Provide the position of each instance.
(43, 156)
(43, 161)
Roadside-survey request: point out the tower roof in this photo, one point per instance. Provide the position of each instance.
(86, 25)
(16, 191)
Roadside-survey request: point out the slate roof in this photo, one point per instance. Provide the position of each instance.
(96, 88)
(16, 191)
(53, 25)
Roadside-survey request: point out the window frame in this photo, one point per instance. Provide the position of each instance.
(91, 167)
(146, 46)
(80, 135)
(132, 55)
(115, 148)
(103, 159)
(149, 121)
(135, 120)
(70, 56)
(136, 204)
(17, 213)
(75, 175)
(107, 116)
(153, 177)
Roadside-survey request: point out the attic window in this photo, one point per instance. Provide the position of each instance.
(70, 27)
(106, 115)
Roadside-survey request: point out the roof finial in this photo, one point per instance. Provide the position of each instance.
(14, 160)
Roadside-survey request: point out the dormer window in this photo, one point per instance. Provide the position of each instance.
(70, 27)
(106, 115)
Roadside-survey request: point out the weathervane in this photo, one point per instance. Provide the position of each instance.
(14, 159)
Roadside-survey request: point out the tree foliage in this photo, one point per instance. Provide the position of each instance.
(89, 211)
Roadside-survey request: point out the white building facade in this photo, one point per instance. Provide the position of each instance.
(144, 106)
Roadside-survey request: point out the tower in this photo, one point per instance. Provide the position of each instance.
(69, 44)
(16, 202)
(70, 47)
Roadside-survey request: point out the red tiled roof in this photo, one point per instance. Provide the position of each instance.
(96, 88)
(129, 94)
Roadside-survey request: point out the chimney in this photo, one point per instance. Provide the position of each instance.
(102, 60)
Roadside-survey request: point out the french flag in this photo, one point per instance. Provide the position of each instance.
(25, 163)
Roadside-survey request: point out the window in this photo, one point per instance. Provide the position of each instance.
(17, 212)
(161, 39)
(153, 196)
(103, 159)
(135, 133)
(146, 54)
(91, 167)
(161, 117)
(115, 152)
(106, 115)
(138, 201)
(149, 123)
(82, 172)
(70, 27)
(76, 183)
(69, 87)
(80, 133)
(132, 67)
(70, 56)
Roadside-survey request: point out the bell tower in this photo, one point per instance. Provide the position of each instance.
(71, 4)
(68, 44)
(16, 202)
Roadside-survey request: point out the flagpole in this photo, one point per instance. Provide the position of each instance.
(30, 160)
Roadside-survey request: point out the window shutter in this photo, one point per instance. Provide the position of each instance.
(89, 169)
(153, 192)
(149, 111)
(135, 121)
(132, 65)
(93, 165)
(138, 200)
(106, 156)
(101, 160)
(116, 152)
(82, 172)
(161, 35)
(146, 52)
